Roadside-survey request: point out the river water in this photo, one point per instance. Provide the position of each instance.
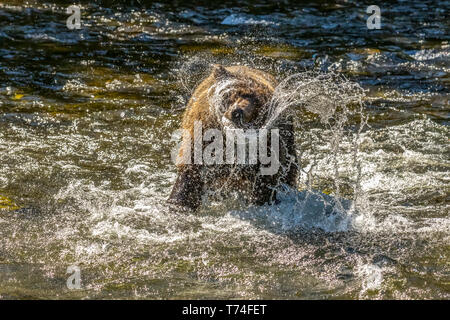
(86, 118)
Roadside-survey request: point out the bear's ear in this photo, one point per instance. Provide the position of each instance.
(220, 72)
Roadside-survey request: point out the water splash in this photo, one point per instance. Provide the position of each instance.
(217, 101)
(321, 93)
(331, 98)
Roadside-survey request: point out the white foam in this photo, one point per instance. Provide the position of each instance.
(241, 19)
(305, 210)
(371, 276)
(431, 54)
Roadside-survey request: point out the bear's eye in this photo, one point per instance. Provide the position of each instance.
(247, 96)
(252, 98)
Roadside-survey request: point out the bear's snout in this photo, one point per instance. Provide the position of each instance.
(241, 112)
(237, 115)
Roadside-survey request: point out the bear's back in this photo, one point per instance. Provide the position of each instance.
(259, 76)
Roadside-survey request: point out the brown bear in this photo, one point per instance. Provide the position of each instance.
(236, 97)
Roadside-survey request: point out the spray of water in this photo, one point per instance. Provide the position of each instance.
(335, 100)
(321, 93)
(332, 98)
(216, 97)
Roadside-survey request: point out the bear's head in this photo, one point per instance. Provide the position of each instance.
(240, 100)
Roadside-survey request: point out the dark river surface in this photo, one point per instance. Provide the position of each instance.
(86, 120)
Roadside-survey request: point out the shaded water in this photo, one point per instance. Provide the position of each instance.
(85, 139)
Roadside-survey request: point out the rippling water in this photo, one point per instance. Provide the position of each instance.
(85, 139)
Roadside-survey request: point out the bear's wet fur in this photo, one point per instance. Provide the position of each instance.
(247, 105)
